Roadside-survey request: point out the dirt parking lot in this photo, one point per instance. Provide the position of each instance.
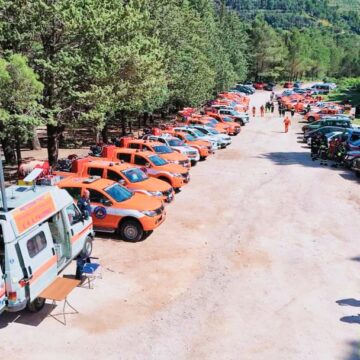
(258, 259)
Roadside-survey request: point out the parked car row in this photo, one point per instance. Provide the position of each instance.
(129, 181)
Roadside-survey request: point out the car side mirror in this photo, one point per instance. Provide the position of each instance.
(147, 165)
(106, 202)
(122, 182)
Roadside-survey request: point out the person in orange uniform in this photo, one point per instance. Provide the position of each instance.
(262, 110)
(287, 123)
(254, 111)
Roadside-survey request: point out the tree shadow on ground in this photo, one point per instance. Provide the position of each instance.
(349, 302)
(304, 159)
(352, 319)
(354, 351)
(290, 158)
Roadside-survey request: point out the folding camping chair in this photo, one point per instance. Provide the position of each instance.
(91, 272)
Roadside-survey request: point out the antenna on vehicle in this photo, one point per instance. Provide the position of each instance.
(2, 187)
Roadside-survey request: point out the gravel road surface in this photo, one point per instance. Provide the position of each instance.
(258, 259)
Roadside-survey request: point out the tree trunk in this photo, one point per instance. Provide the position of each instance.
(34, 142)
(52, 144)
(145, 118)
(9, 152)
(104, 134)
(18, 150)
(123, 123)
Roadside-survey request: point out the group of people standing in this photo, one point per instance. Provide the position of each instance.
(325, 150)
(270, 107)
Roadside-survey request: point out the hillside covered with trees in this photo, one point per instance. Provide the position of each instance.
(89, 63)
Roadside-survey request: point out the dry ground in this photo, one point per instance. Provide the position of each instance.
(254, 255)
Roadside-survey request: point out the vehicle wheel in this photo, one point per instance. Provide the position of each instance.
(36, 305)
(357, 174)
(193, 163)
(87, 248)
(131, 231)
(202, 158)
(311, 119)
(242, 123)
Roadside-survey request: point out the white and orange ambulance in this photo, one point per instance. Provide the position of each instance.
(41, 231)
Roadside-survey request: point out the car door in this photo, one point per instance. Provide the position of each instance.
(101, 211)
(38, 260)
(76, 224)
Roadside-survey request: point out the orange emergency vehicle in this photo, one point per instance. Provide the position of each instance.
(176, 175)
(208, 121)
(133, 178)
(204, 147)
(115, 209)
(164, 151)
(234, 127)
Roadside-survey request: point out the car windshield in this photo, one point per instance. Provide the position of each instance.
(210, 124)
(227, 119)
(135, 175)
(213, 131)
(198, 132)
(213, 121)
(118, 193)
(162, 149)
(175, 142)
(157, 160)
(189, 137)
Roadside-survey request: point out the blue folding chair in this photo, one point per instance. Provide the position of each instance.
(91, 271)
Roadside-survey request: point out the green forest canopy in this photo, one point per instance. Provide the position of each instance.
(102, 61)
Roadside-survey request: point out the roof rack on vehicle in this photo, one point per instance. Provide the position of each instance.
(91, 179)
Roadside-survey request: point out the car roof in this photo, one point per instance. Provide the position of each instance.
(143, 141)
(335, 128)
(88, 182)
(105, 163)
(133, 151)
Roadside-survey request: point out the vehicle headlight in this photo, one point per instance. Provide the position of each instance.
(174, 162)
(177, 175)
(155, 193)
(150, 213)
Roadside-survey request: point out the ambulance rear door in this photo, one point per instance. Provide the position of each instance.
(2, 271)
(38, 261)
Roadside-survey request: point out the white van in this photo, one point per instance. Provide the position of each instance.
(40, 234)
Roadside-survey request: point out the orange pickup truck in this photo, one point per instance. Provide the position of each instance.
(208, 121)
(133, 178)
(164, 151)
(204, 147)
(234, 127)
(176, 175)
(116, 209)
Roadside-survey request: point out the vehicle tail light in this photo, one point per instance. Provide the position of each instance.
(12, 296)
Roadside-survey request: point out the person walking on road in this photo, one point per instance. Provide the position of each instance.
(272, 107)
(272, 95)
(287, 123)
(292, 112)
(262, 110)
(254, 111)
